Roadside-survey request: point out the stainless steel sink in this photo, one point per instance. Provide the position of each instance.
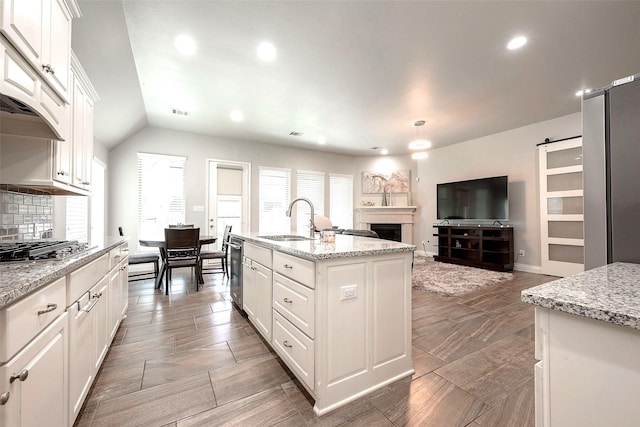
(285, 238)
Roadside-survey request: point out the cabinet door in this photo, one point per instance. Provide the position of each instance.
(81, 327)
(57, 47)
(249, 295)
(124, 288)
(22, 24)
(114, 301)
(39, 398)
(262, 306)
(62, 171)
(102, 330)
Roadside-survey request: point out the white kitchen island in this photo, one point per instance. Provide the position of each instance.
(587, 334)
(338, 314)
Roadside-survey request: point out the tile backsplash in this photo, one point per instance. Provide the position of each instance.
(25, 216)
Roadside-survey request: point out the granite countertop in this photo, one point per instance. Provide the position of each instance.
(610, 293)
(345, 246)
(21, 278)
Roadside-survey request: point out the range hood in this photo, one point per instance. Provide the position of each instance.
(17, 118)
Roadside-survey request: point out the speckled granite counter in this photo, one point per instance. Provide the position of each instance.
(345, 246)
(610, 293)
(19, 279)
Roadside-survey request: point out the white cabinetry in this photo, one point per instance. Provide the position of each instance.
(57, 167)
(82, 133)
(33, 362)
(118, 288)
(41, 30)
(257, 287)
(587, 372)
(343, 325)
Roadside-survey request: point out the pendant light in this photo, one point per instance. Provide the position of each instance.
(419, 143)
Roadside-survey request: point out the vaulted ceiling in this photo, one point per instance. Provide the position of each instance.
(356, 73)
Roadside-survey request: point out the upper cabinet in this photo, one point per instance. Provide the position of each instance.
(41, 31)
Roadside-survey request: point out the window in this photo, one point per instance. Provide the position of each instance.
(341, 200)
(274, 200)
(161, 192)
(310, 185)
(77, 223)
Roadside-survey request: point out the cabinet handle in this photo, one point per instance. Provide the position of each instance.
(124, 267)
(50, 307)
(4, 398)
(63, 173)
(22, 375)
(86, 183)
(49, 69)
(286, 344)
(288, 266)
(287, 300)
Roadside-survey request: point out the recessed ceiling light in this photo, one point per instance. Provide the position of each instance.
(516, 42)
(420, 144)
(236, 116)
(185, 44)
(384, 151)
(266, 51)
(582, 92)
(322, 140)
(420, 155)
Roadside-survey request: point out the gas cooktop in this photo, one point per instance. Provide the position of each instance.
(40, 250)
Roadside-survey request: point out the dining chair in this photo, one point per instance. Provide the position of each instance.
(180, 225)
(182, 250)
(142, 258)
(217, 255)
(363, 233)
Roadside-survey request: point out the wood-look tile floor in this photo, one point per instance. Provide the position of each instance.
(192, 359)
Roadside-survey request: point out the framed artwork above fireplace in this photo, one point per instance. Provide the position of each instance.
(398, 181)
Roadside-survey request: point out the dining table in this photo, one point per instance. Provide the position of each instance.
(158, 242)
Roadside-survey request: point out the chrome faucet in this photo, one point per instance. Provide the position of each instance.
(311, 223)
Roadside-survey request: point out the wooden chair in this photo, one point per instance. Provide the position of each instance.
(219, 255)
(142, 258)
(182, 250)
(180, 225)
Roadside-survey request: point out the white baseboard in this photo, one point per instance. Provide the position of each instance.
(527, 268)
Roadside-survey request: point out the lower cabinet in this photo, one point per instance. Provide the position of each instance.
(257, 288)
(33, 383)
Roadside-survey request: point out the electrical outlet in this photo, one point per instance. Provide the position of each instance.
(348, 292)
(521, 252)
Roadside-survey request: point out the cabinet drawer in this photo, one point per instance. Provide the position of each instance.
(21, 322)
(81, 280)
(295, 268)
(295, 348)
(258, 254)
(295, 302)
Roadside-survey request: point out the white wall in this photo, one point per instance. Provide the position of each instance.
(511, 153)
(123, 169)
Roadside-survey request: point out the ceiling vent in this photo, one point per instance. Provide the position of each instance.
(179, 112)
(375, 148)
(294, 133)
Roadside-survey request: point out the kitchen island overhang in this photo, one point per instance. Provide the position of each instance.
(359, 291)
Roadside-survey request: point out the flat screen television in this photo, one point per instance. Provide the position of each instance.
(475, 199)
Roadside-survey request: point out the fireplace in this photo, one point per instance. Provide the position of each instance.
(398, 217)
(388, 231)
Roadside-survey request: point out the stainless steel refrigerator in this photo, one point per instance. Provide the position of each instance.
(611, 173)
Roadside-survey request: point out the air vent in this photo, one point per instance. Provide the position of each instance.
(375, 148)
(294, 133)
(179, 112)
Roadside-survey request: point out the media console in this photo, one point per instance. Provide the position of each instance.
(487, 247)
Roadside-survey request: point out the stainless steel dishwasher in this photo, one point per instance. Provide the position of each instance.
(235, 269)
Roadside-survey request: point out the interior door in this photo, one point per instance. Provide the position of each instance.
(228, 197)
(561, 207)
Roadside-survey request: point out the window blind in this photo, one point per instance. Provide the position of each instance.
(77, 214)
(341, 200)
(161, 192)
(274, 193)
(309, 184)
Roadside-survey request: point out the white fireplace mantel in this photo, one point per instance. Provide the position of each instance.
(402, 215)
